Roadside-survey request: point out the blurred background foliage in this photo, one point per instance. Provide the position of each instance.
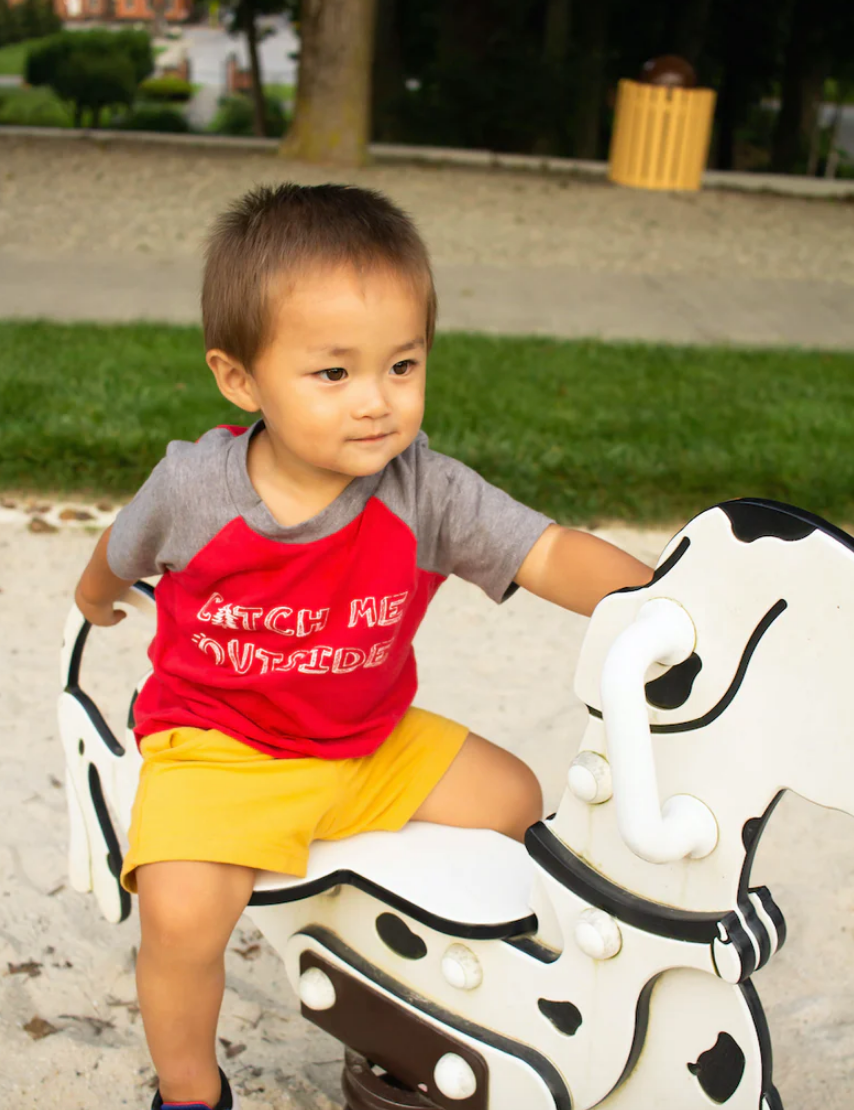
(527, 76)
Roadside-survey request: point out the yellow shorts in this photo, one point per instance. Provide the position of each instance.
(205, 796)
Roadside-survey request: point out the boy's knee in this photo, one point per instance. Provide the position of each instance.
(527, 803)
(190, 919)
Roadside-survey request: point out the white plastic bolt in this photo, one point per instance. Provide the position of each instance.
(316, 990)
(454, 1077)
(590, 778)
(462, 968)
(598, 935)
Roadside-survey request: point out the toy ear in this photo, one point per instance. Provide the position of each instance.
(757, 519)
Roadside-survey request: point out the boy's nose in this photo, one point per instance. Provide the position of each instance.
(371, 402)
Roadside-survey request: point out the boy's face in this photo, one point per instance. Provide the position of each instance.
(341, 384)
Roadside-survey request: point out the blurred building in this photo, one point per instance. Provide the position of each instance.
(134, 11)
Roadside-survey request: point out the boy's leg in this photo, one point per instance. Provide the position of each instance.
(485, 788)
(187, 912)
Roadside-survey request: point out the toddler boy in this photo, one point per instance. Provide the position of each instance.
(298, 558)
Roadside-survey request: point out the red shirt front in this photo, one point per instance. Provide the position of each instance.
(298, 641)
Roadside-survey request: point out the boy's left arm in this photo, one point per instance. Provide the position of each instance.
(576, 570)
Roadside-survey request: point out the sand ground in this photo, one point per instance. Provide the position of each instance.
(506, 671)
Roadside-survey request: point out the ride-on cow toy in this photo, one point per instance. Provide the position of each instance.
(607, 963)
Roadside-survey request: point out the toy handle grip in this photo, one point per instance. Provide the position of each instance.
(663, 633)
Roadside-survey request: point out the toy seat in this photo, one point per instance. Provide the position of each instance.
(467, 882)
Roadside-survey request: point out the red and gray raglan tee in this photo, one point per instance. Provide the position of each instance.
(298, 640)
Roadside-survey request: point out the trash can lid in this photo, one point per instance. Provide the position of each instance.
(669, 70)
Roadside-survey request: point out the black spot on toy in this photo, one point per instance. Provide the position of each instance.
(565, 1017)
(755, 520)
(719, 1071)
(396, 935)
(673, 688)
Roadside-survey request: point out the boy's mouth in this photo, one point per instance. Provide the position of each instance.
(372, 439)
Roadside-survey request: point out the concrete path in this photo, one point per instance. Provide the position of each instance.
(514, 252)
(202, 107)
(558, 301)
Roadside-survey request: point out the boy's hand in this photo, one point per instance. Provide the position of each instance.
(103, 614)
(99, 589)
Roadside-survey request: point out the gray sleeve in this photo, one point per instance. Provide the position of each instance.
(467, 527)
(141, 532)
(183, 504)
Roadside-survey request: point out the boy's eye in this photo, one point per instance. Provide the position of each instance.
(336, 374)
(402, 367)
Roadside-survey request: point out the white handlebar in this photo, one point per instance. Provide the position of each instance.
(661, 633)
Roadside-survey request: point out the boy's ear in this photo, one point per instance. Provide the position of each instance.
(235, 382)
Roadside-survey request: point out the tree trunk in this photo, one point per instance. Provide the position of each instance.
(687, 34)
(333, 102)
(259, 123)
(388, 75)
(555, 54)
(556, 32)
(732, 94)
(803, 79)
(160, 27)
(592, 44)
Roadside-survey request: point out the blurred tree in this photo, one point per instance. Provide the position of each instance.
(591, 80)
(37, 18)
(685, 29)
(331, 121)
(539, 75)
(806, 67)
(743, 57)
(243, 21)
(557, 24)
(388, 76)
(10, 30)
(92, 69)
(820, 34)
(93, 81)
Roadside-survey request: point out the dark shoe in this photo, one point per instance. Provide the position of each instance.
(227, 1100)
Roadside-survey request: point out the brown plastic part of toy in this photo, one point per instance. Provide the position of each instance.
(365, 1090)
(397, 1040)
(669, 70)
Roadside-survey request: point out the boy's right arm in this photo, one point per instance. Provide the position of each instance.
(98, 588)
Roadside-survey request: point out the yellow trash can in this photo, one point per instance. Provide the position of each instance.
(661, 136)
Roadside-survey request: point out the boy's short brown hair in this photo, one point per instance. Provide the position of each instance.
(273, 233)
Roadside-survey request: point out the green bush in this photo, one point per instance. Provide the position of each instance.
(137, 45)
(166, 89)
(94, 82)
(153, 118)
(93, 69)
(46, 57)
(33, 108)
(235, 115)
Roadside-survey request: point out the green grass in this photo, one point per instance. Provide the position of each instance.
(280, 92)
(37, 107)
(13, 58)
(584, 431)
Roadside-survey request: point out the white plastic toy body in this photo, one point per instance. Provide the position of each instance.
(608, 962)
